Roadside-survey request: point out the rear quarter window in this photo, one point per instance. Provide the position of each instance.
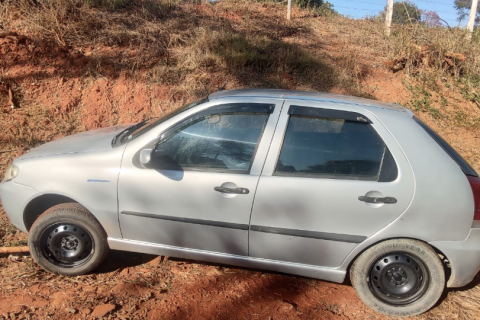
(461, 162)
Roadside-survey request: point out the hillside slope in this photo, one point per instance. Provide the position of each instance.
(67, 67)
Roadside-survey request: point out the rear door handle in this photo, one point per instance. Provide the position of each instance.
(389, 200)
(232, 190)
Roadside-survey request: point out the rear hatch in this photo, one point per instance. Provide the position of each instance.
(470, 173)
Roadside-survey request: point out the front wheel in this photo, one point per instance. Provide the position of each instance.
(68, 240)
(400, 277)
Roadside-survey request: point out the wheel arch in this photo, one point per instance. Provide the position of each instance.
(443, 257)
(40, 204)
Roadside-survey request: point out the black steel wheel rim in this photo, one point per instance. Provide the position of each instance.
(398, 278)
(67, 245)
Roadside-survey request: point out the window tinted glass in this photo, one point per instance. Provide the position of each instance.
(214, 142)
(331, 148)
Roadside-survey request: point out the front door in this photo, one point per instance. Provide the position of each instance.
(333, 177)
(199, 189)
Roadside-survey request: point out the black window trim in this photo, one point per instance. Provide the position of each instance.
(336, 114)
(388, 167)
(325, 176)
(328, 113)
(226, 108)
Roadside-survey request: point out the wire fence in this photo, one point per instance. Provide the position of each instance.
(360, 9)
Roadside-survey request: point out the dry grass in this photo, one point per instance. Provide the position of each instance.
(441, 41)
(404, 42)
(438, 43)
(178, 44)
(462, 303)
(74, 22)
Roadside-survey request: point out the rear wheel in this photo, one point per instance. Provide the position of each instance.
(400, 277)
(68, 240)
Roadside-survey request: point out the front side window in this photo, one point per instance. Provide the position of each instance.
(330, 148)
(218, 142)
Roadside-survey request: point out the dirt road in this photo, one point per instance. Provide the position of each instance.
(136, 286)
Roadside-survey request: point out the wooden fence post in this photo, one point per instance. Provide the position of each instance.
(289, 10)
(471, 20)
(388, 17)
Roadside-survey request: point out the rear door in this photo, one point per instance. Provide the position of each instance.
(333, 177)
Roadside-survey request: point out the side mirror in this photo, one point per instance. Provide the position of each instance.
(145, 157)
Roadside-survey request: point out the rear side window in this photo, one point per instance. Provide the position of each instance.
(334, 148)
(462, 163)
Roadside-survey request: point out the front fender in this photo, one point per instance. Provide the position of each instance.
(15, 197)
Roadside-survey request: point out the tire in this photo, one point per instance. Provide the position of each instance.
(400, 277)
(68, 240)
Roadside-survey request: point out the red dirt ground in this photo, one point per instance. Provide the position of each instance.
(134, 286)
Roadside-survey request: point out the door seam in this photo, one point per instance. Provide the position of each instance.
(118, 190)
(258, 180)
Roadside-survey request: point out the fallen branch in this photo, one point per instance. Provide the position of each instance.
(4, 250)
(456, 56)
(3, 151)
(449, 28)
(12, 101)
(426, 56)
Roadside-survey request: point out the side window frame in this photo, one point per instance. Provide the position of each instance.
(388, 171)
(227, 108)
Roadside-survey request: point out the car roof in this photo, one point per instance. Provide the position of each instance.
(308, 95)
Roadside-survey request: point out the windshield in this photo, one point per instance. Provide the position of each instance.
(140, 128)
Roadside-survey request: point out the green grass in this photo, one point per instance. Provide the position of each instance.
(470, 88)
(422, 101)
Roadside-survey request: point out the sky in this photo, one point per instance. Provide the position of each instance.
(362, 8)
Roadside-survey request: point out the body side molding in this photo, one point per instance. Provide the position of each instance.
(329, 274)
(310, 234)
(283, 231)
(212, 223)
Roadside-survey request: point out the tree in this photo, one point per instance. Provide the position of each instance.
(404, 12)
(309, 3)
(431, 19)
(463, 10)
(322, 7)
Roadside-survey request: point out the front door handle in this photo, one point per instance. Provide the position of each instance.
(232, 190)
(389, 200)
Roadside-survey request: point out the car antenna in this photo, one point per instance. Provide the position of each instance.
(223, 87)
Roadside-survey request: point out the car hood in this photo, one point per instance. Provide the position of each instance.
(95, 140)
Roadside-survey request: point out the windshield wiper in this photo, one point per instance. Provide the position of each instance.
(119, 137)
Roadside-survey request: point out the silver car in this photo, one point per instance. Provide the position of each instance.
(318, 185)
